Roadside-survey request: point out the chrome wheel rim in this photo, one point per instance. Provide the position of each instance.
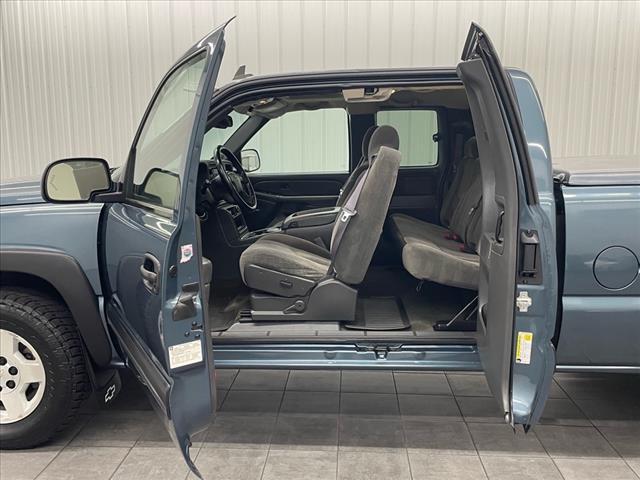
(22, 378)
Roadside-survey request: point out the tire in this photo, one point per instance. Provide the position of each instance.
(46, 325)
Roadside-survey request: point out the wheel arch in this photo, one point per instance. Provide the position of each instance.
(59, 274)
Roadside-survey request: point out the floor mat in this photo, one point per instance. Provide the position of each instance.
(386, 281)
(379, 313)
(224, 311)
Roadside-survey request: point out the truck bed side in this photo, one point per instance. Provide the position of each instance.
(601, 288)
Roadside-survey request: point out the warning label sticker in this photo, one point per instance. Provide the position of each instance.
(185, 354)
(523, 347)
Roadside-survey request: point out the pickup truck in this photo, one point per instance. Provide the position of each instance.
(418, 224)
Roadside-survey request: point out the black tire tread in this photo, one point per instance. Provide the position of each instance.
(54, 315)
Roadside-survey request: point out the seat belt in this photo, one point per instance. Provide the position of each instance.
(360, 163)
(346, 214)
(471, 217)
(451, 167)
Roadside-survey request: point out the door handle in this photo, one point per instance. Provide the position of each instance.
(529, 253)
(498, 232)
(150, 273)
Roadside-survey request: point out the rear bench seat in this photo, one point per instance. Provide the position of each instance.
(447, 254)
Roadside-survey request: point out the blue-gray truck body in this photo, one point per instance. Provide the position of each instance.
(600, 226)
(579, 307)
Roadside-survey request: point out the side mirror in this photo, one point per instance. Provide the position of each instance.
(75, 180)
(250, 159)
(160, 187)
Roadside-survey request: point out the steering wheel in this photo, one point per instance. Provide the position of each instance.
(235, 178)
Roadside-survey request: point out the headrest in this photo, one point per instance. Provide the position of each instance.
(366, 140)
(471, 148)
(384, 136)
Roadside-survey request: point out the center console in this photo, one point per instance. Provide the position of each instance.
(233, 214)
(309, 224)
(315, 224)
(315, 217)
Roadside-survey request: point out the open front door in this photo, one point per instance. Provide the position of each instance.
(158, 282)
(517, 290)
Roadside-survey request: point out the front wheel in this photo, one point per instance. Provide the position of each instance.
(43, 376)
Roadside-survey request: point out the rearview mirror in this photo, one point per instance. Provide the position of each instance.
(75, 180)
(250, 159)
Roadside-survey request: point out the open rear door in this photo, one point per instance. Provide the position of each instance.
(517, 291)
(157, 282)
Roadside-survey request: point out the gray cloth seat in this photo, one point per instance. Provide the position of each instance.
(283, 258)
(287, 254)
(446, 253)
(465, 171)
(429, 253)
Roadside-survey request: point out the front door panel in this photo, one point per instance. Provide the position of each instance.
(156, 300)
(283, 194)
(517, 285)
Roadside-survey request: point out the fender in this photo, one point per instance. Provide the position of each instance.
(67, 277)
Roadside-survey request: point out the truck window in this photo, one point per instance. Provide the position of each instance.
(416, 129)
(162, 146)
(305, 141)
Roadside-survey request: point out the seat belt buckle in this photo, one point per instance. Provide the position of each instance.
(346, 215)
(452, 236)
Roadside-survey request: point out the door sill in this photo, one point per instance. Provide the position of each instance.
(369, 355)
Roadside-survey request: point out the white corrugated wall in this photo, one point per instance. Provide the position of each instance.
(76, 76)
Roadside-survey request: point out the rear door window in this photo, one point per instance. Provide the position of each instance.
(416, 129)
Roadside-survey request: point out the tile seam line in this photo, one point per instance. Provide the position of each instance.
(266, 459)
(597, 429)
(121, 461)
(61, 450)
(404, 432)
(464, 421)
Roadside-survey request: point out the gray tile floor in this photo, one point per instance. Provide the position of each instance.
(350, 425)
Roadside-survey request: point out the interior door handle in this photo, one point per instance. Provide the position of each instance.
(498, 232)
(150, 273)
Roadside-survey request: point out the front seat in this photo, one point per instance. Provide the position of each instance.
(362, 165)
(295, 279)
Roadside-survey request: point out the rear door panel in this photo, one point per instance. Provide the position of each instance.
(531, 383)
(518, 278)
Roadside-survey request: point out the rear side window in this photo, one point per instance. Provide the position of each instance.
(306, 141)
(416, 129)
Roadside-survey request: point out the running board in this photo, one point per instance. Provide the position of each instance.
(362, 356)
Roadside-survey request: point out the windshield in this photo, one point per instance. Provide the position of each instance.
(219, 136)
